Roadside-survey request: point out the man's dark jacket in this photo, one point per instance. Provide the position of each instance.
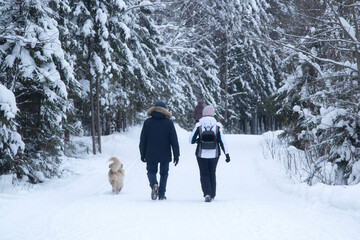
(158, 136)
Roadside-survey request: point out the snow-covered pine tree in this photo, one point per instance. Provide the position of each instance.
(321, 91)
(118, 43)
(10, 139)
(188, 29)
(93, 61)
(67, 30)
(212, 41)
(143, 71)
(246, 65)
(33, 65)
(136, 78)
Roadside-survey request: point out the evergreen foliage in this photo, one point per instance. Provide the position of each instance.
(251, 65)
(320, 94)
(33, 66)
(93, 67)
(109, 61)
(10, 140)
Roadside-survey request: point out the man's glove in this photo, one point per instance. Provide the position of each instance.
(176, 160)
(142, 159)
(227, 158)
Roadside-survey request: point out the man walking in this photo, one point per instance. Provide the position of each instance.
(158, 137)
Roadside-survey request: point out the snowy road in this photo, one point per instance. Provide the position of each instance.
(247, 206)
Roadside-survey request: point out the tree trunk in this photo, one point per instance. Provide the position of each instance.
(91, 83)
(108, 124)
(253, 124)
(226, 77)
(118, 121)
(124, 121)
(245, 126)
(92, 116)
(98, 120)
(268, 124)
(357, 32)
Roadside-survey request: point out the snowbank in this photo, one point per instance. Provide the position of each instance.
(342, 197)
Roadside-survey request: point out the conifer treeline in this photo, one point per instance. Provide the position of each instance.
(94, 67)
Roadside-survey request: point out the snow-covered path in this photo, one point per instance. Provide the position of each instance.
(247, 206)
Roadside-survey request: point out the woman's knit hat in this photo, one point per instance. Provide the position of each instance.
(208, 111)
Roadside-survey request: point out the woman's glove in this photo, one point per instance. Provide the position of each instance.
(227, 158)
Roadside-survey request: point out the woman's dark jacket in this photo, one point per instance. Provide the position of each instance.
(158, 136)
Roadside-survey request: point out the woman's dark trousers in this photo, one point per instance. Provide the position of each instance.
(208, 175)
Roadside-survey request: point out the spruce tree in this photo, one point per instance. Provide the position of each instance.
(142, 72)
(63, 15)
(320, 93)
(188, 29)
(33, 65)
(10, 140)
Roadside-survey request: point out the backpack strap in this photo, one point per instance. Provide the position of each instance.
(208, 128)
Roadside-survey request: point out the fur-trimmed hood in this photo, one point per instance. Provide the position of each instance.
(159, 110)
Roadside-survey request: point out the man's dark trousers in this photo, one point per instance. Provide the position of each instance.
(152, 169)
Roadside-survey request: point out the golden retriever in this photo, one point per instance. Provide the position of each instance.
(116, 175)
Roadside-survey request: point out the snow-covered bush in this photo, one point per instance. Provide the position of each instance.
(294, 161)
(303, 165)
(325, 127)
(10, 139)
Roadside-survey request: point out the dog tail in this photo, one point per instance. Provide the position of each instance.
(115, 165)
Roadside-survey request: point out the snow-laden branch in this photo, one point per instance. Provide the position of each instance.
(348, 29)
(142, 4)
(346, 64)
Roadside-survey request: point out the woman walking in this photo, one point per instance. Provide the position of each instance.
(208, 134)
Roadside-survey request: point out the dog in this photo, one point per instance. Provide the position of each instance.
(116, 175)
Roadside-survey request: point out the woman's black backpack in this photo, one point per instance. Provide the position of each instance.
(208, 139)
